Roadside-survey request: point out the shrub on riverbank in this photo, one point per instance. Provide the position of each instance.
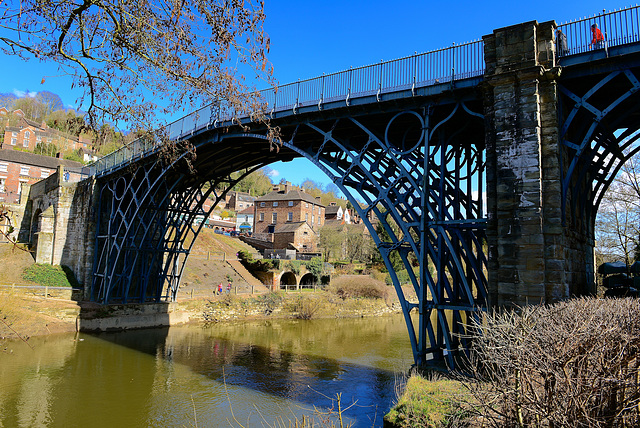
(575, 363)
(357, 286)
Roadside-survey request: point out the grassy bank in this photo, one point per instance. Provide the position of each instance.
(429, 401)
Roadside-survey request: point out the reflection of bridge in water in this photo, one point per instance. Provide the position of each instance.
(484, 163)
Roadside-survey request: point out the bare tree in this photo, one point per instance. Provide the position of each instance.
(136, 58)
(618, 223)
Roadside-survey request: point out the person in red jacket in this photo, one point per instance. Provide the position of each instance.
(597, 39)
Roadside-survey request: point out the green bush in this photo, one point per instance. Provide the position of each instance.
(294, 266)
(50, 275)
(253, 265)
(316, 267)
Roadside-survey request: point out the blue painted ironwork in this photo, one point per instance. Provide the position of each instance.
(421, 176)
(600, 132)
(145, 218)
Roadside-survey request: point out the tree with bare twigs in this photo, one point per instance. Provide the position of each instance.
(136, 59)
(618, 222)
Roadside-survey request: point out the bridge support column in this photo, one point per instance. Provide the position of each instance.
(527, 241)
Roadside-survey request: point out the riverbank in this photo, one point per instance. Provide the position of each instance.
(26, 313)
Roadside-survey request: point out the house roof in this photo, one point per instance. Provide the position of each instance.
(246, 211)
(332, 210)
(292, 195)
(291, 227)
(17, 156)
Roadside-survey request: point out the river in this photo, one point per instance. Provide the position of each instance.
(242, 374)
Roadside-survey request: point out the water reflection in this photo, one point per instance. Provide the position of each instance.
(177, 376)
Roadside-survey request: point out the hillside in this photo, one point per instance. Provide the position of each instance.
(199, 278)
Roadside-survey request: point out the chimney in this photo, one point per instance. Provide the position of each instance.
(59, 155)
(302, 189)
(276, 188)
(287, 185)
(317, 198)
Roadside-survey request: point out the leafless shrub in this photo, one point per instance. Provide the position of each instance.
(359, 286)
(572, 364)
(305, 308)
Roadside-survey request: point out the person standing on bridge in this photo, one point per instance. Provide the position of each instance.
(597, 39)
(561, 42)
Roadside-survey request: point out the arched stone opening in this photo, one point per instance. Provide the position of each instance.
(287, 279)
(35, 228)
(308, 279)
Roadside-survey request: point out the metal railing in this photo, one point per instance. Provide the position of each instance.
(618, 27)
(440, 66)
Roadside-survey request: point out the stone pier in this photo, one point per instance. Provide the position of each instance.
(530, 251)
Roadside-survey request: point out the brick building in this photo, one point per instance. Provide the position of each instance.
(297, 236)
(288, 205)
(17, 167)
(27, 134)
(238, 201)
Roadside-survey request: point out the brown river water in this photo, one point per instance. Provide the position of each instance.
(243, 374)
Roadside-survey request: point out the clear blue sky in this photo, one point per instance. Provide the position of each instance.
(311, 38)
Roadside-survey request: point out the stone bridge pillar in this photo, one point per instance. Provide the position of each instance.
(525, 233)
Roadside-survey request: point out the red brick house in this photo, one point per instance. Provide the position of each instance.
(17, 167)
(289, 205)
(297, 236)
(238, 201)
(27, 134)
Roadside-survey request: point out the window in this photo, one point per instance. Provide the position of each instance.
(2, 185)
(306, 204)
(319, 220)
(44, 173)
(261, 216)
(14, 134)
(290, 203)
(289, 216)
(305, 233)
(3, 167)
(246, 219)
(306, 216)
(274, 217)
(313, 219)
(14, 141)
(275, 204)
(24, 170)
(262, 204)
